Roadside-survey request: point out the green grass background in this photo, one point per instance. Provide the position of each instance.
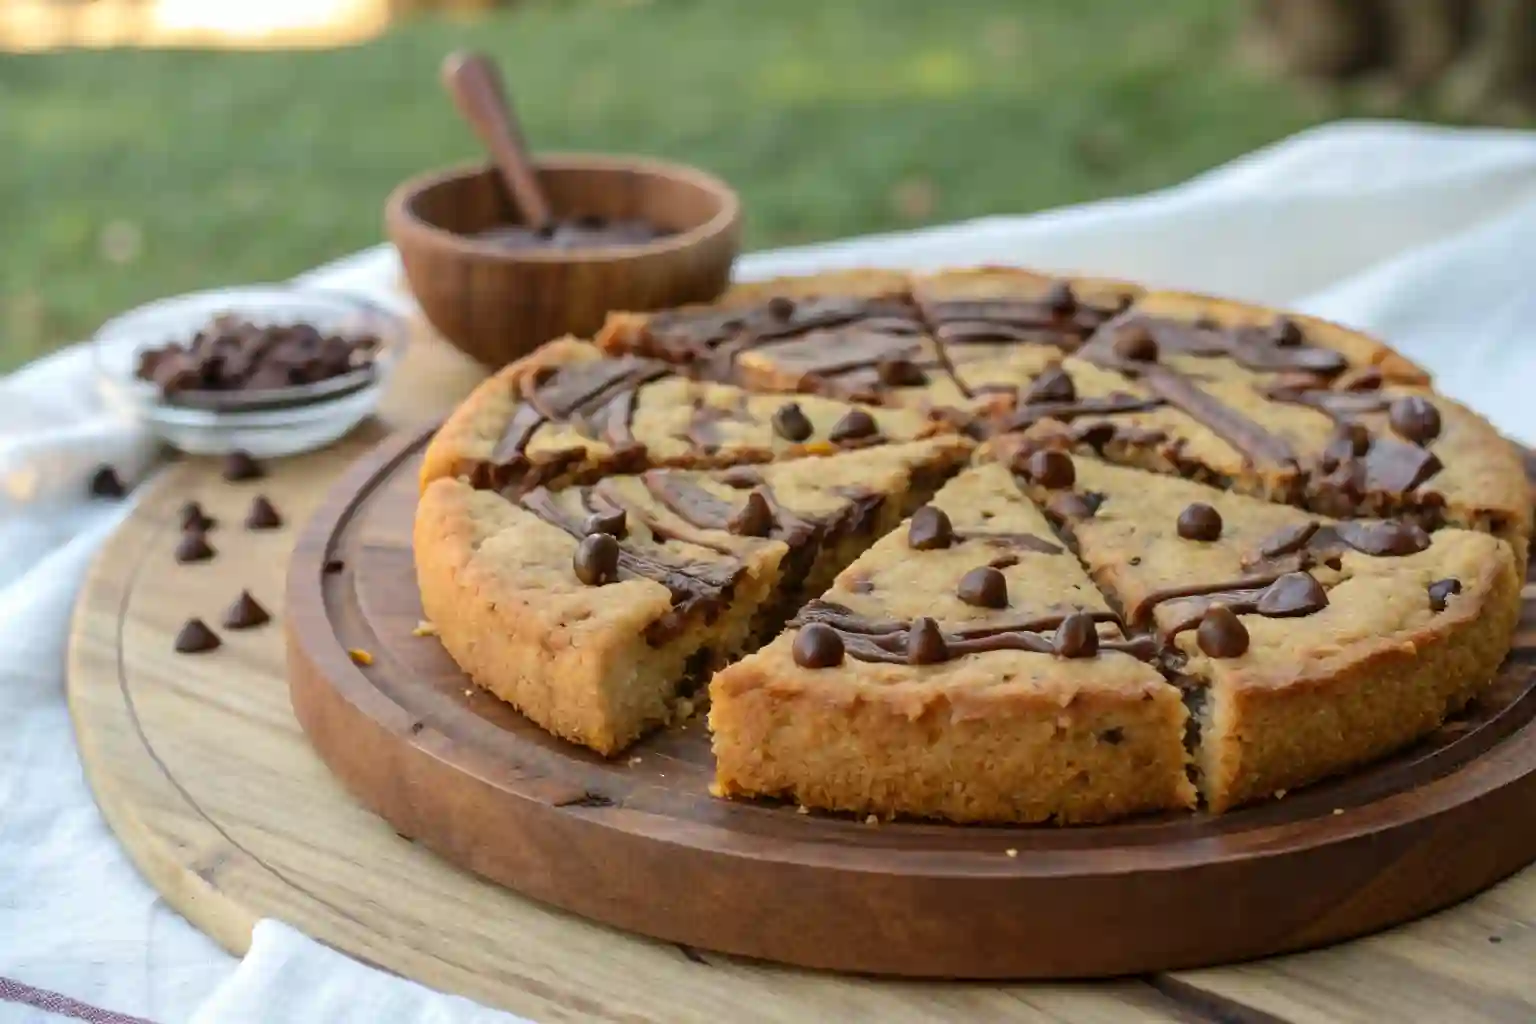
(127, 175)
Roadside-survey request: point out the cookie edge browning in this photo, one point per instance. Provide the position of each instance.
(1360, 348)
(448, 453)
(1404, 686)
(500, 636)
(837, 743)
(1092, 286)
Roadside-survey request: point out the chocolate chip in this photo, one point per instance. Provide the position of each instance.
(781, 307)
(239, 465)
(192, 517)
(1398, 468)
(1221, 633)
(195, 637)
(1440, 591)
(929, 529)
(263, 515)
(333, 566)
(1383, 538)
(983, 587)
(855, 425)
(1053, 385)
(1051, 469)
(1059, 299)
(1287, 540)
(1072, 506)
(900, 373)
(1135, 343)
(1295, 593)
(754, 519)
(817, 645)
(1366, 379)
(925, 644)
(1348, 441)
(1114, 736)
(743, 478)
(193, 547)
(596, 560)
(1004, 561)
(245, 613)
(105, 483)
(791, 423)
(614, 523)
(1199, 521)
(1077, 636)
(1415, 419)
(1285, 332)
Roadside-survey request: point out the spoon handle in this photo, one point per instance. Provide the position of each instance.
(475, 85)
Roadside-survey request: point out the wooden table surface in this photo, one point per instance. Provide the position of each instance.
(204, 774)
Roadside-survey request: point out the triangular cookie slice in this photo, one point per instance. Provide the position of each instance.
(592, 609)
(1291, 409)
(964, 668)
(1340, 641)
(569, 414)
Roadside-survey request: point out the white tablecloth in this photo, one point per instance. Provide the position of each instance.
(1427, 236)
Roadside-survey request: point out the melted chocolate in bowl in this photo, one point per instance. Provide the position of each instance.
(575, 233)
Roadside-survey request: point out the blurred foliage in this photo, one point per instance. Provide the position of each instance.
(128, 174)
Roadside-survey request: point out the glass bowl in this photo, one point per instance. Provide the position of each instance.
(267, 423)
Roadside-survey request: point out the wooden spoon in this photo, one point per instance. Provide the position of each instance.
(475, 85)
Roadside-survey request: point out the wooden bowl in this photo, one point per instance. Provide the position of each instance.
(498, 304)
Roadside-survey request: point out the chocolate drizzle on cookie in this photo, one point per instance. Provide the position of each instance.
(890, 641)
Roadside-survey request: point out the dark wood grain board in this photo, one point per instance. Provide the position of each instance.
(639, 843)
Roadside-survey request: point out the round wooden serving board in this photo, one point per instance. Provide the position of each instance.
(202, 770)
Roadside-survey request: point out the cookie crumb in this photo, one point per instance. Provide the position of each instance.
(1338, 810)
(1279, 794)
(359, 656)
(469, 693)
(873, 819)
(715, 789)
(635, 760)
(802, 809)
(1011, 852)
(424, 628)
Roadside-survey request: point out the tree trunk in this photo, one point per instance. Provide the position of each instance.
(1324, 38)
(1499, 70)
(1424, 38)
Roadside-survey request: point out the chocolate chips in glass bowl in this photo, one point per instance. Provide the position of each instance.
(238, 358)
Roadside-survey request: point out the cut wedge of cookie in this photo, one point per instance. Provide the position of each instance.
(1293, 410)
(1307, 645)
(965, 668)
(569, 414)
(593, 609)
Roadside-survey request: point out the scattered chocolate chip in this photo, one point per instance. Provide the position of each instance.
(263, 515)
(1077, 636)
(1199, 521)
(195, 637)
(1059, 299)
(855, 425)
(615, 524)
(1114, 736)
(105, 483)
(1221, 633)
(1440, 591)
(596, 560)
(930, 528)
(192, 517)
(1348, 441)
(781, 307)
(240, 465)
(1004, 561)
(1398, 468)
(1135, 559)
(1135, 343)
(1072, 506)
(925, 644)
(983, 587)
(1053, 385)
(791, 423)
(743, 478)
(193, 547)
(1415, 419)
(1295, 593)
(1383, 538)
(900, 373)
(1051, 469)
(245, 613)
(818, 645)
(1287, 540)
(754, 519)
(333, 566)
(1285, 332)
